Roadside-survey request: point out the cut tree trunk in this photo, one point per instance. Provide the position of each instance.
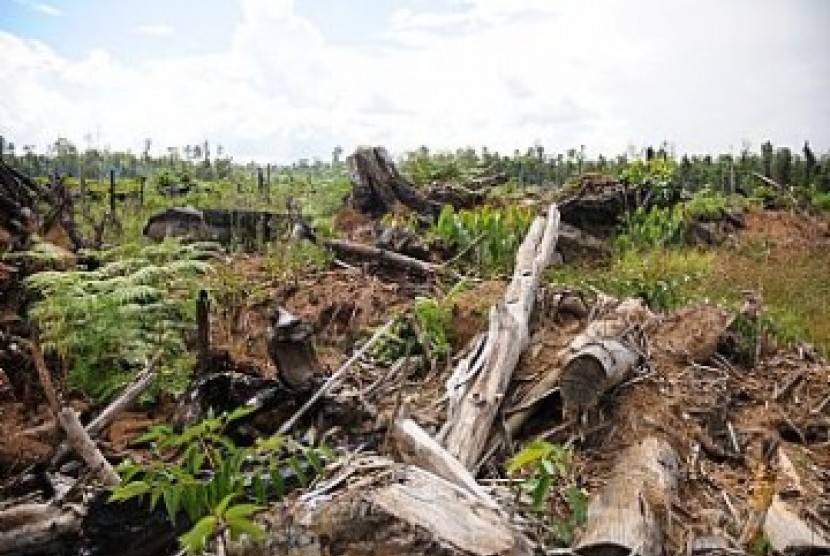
(600, 358)
(468, 425)
(377, 186)
(292, 351)
(628, 516)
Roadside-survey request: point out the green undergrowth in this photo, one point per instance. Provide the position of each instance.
(105, 323)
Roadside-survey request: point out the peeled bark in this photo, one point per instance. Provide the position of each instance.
(628, 516)
(488, 370)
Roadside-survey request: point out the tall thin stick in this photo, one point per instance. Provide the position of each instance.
(333, 379)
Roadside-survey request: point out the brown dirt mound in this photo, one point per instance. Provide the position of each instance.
(470, 309)
(786, 229)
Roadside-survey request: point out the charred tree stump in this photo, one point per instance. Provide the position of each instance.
(377, 186)
(628, 516)
(292, 351)
(478, 386)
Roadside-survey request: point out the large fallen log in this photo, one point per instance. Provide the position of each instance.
(628, 516)
(487, 371)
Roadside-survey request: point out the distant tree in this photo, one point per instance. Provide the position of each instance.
(783, 166)
(809, 161)
(766, 158)
(206, 150)
(335, 155)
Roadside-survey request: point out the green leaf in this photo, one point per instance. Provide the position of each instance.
(241, 511)
(540, 493)
(243, 526)
(533, 452)
(171, 503)
(223, 504)
(129, 490)
(196, 539)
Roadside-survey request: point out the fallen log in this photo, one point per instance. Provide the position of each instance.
(362, 251)
(32, 529)
(85, 447)
(628, 516)
(488, 370)
(601, 357)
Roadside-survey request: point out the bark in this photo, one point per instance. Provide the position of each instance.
(470, 419)
(628, 516)
(601, 357)
(377, 186)
(30, 529)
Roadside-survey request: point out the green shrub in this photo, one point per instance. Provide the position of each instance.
(217, 484)
(105, 323)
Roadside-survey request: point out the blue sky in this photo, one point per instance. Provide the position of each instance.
(277, 79)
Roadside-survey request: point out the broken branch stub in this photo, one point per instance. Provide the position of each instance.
(628, 516)
(468, 425)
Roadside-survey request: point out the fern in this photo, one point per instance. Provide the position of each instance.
(105, 323)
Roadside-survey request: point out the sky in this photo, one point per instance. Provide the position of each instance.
(279, 80)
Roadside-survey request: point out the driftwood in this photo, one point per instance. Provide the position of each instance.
(377, 186)
(85, 447)
(362, 251)
(628, 516)
(601, 357)
(485, 374)
(292, 351)
(30, 529)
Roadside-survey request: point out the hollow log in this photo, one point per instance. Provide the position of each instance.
(628, 516)
(490, 368)
(292, 351)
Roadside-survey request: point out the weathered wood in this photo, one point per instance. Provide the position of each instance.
(469, 422)
(377, 186)
(335, 378)
(31, 529)
(448, 513)
(628, 516)
(417, 447)
(120, 404)
(789, 534)
(83, 445)
(363, 251)
(600, 357)
(291, 350)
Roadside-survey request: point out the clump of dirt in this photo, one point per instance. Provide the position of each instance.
(470, 309)
(354, 225)
(787, 229)
(690, 333)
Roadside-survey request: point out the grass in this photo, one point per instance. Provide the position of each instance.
(791, 280)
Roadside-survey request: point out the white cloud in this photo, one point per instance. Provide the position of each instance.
(482, 72)
(155, 29)
(40, 7)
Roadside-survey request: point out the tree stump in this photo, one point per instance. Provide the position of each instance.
(292, 351)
